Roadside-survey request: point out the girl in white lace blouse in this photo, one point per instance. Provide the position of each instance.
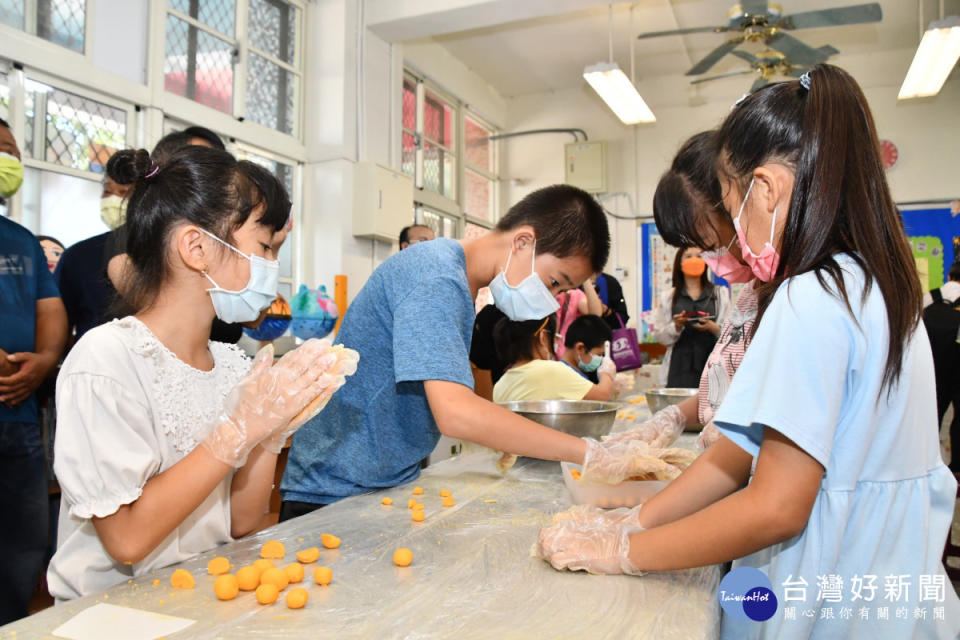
(166, 442)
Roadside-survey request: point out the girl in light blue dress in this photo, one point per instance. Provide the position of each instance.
(839, 532)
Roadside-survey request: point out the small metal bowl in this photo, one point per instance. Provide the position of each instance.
(581, 418)
(658, 399)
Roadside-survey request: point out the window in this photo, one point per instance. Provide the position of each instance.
(204, 45)
(463, 174)
(61, 22)
(442, 224)
(480, 169)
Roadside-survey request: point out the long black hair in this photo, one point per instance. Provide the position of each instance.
(688, 195)
(679, 280)
(841, 202)
(197, 185)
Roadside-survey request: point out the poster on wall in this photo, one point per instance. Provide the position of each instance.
(657, 267)
(934, 236)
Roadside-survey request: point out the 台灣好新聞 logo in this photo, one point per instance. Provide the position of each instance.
(747, 594)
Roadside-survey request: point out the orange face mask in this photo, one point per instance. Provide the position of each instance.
(693, 267)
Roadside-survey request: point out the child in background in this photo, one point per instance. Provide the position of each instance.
(585, 344)
(533, 374)
(834, 398)
(167, 442)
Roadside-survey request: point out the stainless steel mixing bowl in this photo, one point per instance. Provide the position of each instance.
(582, 418)
(658, 399)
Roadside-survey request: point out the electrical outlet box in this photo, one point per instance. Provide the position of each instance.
(382, 201)
(585, 166)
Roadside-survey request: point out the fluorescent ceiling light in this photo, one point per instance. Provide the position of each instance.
(618, 92)
(935, 58)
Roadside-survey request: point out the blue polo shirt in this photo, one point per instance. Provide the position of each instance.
(412, 321)
(24, 279)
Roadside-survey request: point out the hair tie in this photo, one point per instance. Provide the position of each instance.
(153, 171)
(805, 80)
(739, 101)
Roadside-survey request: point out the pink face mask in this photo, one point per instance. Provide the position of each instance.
(726, 266)
(764, 265)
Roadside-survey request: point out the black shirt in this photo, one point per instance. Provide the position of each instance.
(483, 354)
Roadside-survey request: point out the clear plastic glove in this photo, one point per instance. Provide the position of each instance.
(708, 436)
(615, 462)
(608, 367)
(589, 539)
(506, 462)
(336, 363)
(660, 431)
(263, 403)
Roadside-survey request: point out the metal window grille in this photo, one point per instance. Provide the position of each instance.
(62, 22)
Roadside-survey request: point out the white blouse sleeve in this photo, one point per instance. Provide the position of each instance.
(664, 330)
(106, 448)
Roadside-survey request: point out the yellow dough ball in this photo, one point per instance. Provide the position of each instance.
(276, 577)
(218, 566)
(307, 556)
(387, 501)
(444, 493)
(267, 594)
(418, 491)
(329, 541)
(294, 571)
(226, 587)
(411, 503)
(248, 578)
(263, 564)
(323, 576)
(402, 557)
(418, 507)
(297, 598)
(182, 579)
(417, 516)
(448, 502)
(272, 549)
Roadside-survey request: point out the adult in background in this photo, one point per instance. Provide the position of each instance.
(415, 233)
(688, 318)
(941, 318)
(33, 336)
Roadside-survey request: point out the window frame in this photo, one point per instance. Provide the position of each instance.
(448, 207)
(30, 31)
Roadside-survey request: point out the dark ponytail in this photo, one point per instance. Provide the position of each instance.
(514, 340)
(196, 185)
(841, 202)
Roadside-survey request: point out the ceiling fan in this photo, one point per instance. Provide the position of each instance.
(760, 21)
(767, 65)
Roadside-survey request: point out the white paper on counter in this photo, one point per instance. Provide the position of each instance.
(110, 622)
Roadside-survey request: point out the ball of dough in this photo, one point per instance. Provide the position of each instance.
(226, 587)
(448, 502)
(272, 549)
(267, 594)
(387, 501)
(307, 556)
(294, 571)
(248, 578)
(418, 491)
(329, 541)
(323, 576)
(262, 565)
(182, 579)
(218, 566)
(418, 506)
(297, 598)
(417, 516)
(276, 577)
(410, 503)
(402, 557)
(444, 493)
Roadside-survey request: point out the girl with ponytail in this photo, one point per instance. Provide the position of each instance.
(834, 400)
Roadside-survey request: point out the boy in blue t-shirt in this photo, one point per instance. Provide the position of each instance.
(412, 323)
(33, 332)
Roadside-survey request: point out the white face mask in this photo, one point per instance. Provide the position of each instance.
(246, 304)
(113, 211)
(529, 300)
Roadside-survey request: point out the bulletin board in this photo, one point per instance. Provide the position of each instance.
(935, 240)
(657, 266)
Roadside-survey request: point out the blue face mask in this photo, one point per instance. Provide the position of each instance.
(246, 304)
(529, 300)
(593, 365)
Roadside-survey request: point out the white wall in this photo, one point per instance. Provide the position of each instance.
(926, 133)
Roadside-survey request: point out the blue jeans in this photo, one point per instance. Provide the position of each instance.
(24, 507)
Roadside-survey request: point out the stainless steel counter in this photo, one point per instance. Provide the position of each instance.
(472, 575)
